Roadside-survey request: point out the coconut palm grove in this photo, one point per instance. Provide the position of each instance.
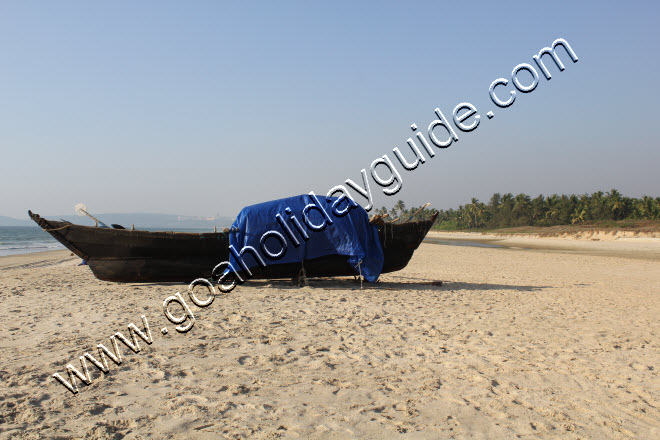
(507, 210)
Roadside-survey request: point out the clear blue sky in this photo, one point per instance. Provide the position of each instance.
(200, 108)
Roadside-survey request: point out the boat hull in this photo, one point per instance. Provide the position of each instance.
(129, 256)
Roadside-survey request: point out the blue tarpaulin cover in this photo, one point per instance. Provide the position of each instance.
(349, 234)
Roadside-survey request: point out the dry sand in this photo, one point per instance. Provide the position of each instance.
(514, 344)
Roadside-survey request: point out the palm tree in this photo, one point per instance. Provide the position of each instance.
(467, 215)
(495, 201)
(596, 205)
(472, 207)
(521, 206)
(578, 215)
(566, 206)
(552, 203)
(647, 207)
(400, 206)
(616, 203)
(507, 201)
(538, 208)
(494, 206)
(480, 213)
(652, 207)
(506, 208)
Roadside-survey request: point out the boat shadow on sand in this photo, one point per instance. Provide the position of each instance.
(346, 283)
(352, 284)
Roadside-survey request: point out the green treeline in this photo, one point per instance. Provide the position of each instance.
(504, 211)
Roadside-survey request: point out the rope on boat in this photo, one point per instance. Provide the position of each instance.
(51, 230)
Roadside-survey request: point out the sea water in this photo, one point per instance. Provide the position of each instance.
(25, 239)
(461, 243)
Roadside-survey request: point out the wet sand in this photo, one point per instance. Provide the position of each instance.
(642, 247)
(465, 342)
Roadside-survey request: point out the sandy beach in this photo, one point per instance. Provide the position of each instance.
(533, 340)
(610, 244)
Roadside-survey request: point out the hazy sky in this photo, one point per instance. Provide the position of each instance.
(200, 108)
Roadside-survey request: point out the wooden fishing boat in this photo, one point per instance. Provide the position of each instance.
(123, 255)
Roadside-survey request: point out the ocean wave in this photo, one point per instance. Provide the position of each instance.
(26, 248)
